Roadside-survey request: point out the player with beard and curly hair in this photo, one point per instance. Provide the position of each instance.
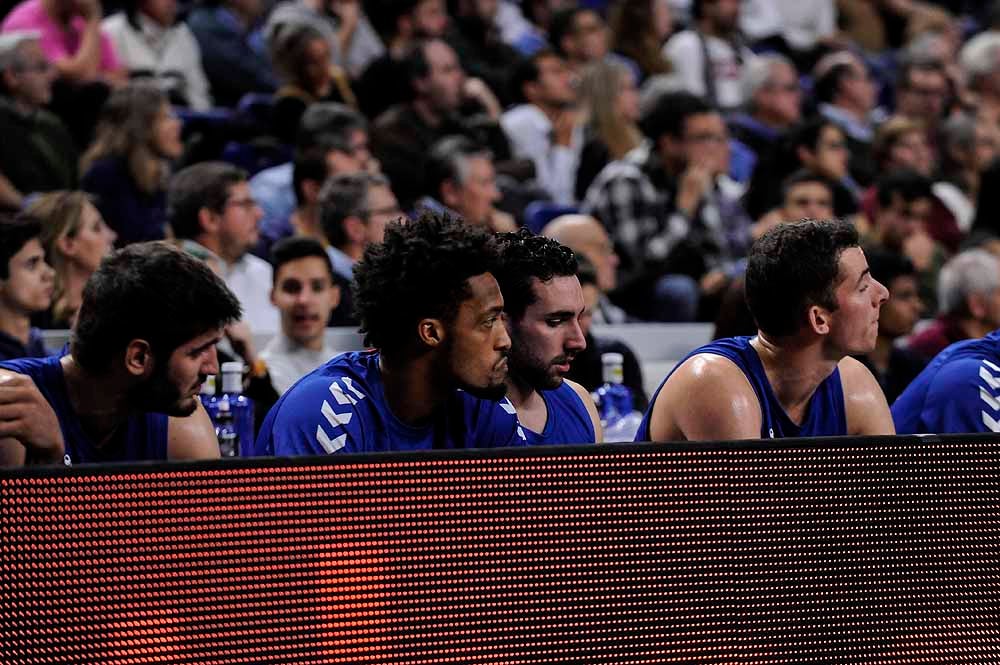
(432, 311)
(544, 302)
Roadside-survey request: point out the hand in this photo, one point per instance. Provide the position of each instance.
(920, 248)
(241, 338)
(478, 91)
(562, 128)
(89, 9)
(713, 281)
(501, 222)
(349, 13)
(26, 416)
(695, 183)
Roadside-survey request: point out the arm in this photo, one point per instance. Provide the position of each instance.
(29, 429)
(689, 406)
(588, 403)
(192, 437)
(10, 197)
(867, 411)
(85, 64)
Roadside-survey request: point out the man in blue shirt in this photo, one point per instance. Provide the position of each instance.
(143, 343)
(431, 309)
(26, 284)
(544, 303)
(959, 391)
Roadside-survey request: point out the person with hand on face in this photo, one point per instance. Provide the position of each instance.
(26, 285)
(432, 312)
(305, 293)
(815, 303)
(544, 305)
(460, 177)
(128, 389)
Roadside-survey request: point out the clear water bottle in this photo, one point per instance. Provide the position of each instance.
(240, 405)
(619, 420)
(208, 397)
(225, 428)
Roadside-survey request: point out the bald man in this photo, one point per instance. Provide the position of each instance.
(586, 236)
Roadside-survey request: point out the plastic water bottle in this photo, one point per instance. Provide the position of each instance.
(239, 404)
(619, 420)
(225, 429)
(208, 397)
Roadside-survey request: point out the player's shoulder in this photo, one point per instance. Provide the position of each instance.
(709, 371)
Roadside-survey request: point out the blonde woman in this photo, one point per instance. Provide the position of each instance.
(127, 166)
(610, 101)
(75, 239)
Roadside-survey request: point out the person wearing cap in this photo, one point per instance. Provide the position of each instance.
(37, 153)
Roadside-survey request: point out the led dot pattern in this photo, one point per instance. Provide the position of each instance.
(801, 551)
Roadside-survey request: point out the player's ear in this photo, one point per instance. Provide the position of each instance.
(139, 358)
(819, 320)
(431, 332)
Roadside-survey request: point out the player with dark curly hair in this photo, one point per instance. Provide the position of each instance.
(815, 302)
(543, 301)
(433, 313)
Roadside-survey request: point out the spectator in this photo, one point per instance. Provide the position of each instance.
(638, 29)
(587, 369)
(545, 125)
(610, 105)
(709, 57)
(214, 215)
(981, 66)
(143, 343)
(403, 135)
(329, 133)
(301, 56)
(894, 366)
(847, 96)
(152, 43)
(305, 293)
(460, 175)
(586, 237)
(543, 305)
(968, 146)
(403, 24)
(679, 229)
(773, 99)
(75, 239)
(233, 51)
(923, 94)
(432, 311)
(354, 211)
(968, 291)
(25, 288)
(474, 34)
(37, 153)
(352, 40)
(128, 165)
(579, 35)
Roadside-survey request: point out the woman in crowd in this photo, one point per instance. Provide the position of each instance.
(610, 101)
(640, 27)
(75, 239)
(127, 166)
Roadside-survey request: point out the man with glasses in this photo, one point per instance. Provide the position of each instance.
(37, 153)
(848, 96)
(214, 215)
(673, 214)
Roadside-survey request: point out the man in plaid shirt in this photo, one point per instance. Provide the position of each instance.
(674, 216)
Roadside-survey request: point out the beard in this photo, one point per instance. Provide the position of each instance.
(160, 395)
(534, 371)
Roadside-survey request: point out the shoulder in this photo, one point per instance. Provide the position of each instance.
(867, 410)
(258, 267)
(275, 176)
(104, 170)
(25, 15)
(116, 25)
(192, 437)
(682, 41)
(589, 407)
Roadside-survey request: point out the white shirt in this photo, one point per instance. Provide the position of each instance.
(169, 53)
(250, 279)
(287, 362)
(685, 53)
(530, 133)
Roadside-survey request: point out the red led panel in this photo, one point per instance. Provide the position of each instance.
(832, 551)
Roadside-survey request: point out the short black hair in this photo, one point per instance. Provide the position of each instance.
(562, 24)
(294, 248)
(908, 185)
(151, 291)
(385, 14)
(343, 196)
(803, 176)
(307, 164)
(16, 231)
(827, 86)
(328, 126)
(202, 185)
(669, 112)
(792, 267)
(421, 269)
(526, 70)
(525, 256)
(885, 266)
(806, 134)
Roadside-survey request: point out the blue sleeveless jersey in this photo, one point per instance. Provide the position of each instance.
(568, 420)
(825, 415)
(341, 407)
(142, 437)
(959, 391)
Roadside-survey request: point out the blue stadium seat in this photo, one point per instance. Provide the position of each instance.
(539, 213)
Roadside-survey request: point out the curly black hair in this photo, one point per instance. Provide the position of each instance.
(523, 256)
(420, 269)
(792, 267)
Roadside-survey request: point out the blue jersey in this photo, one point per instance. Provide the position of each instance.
(341, 407)
(568, 419)
(825, 415)
(959, 391)
(143, 436)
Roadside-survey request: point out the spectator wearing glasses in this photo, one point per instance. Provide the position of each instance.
(37, 153)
